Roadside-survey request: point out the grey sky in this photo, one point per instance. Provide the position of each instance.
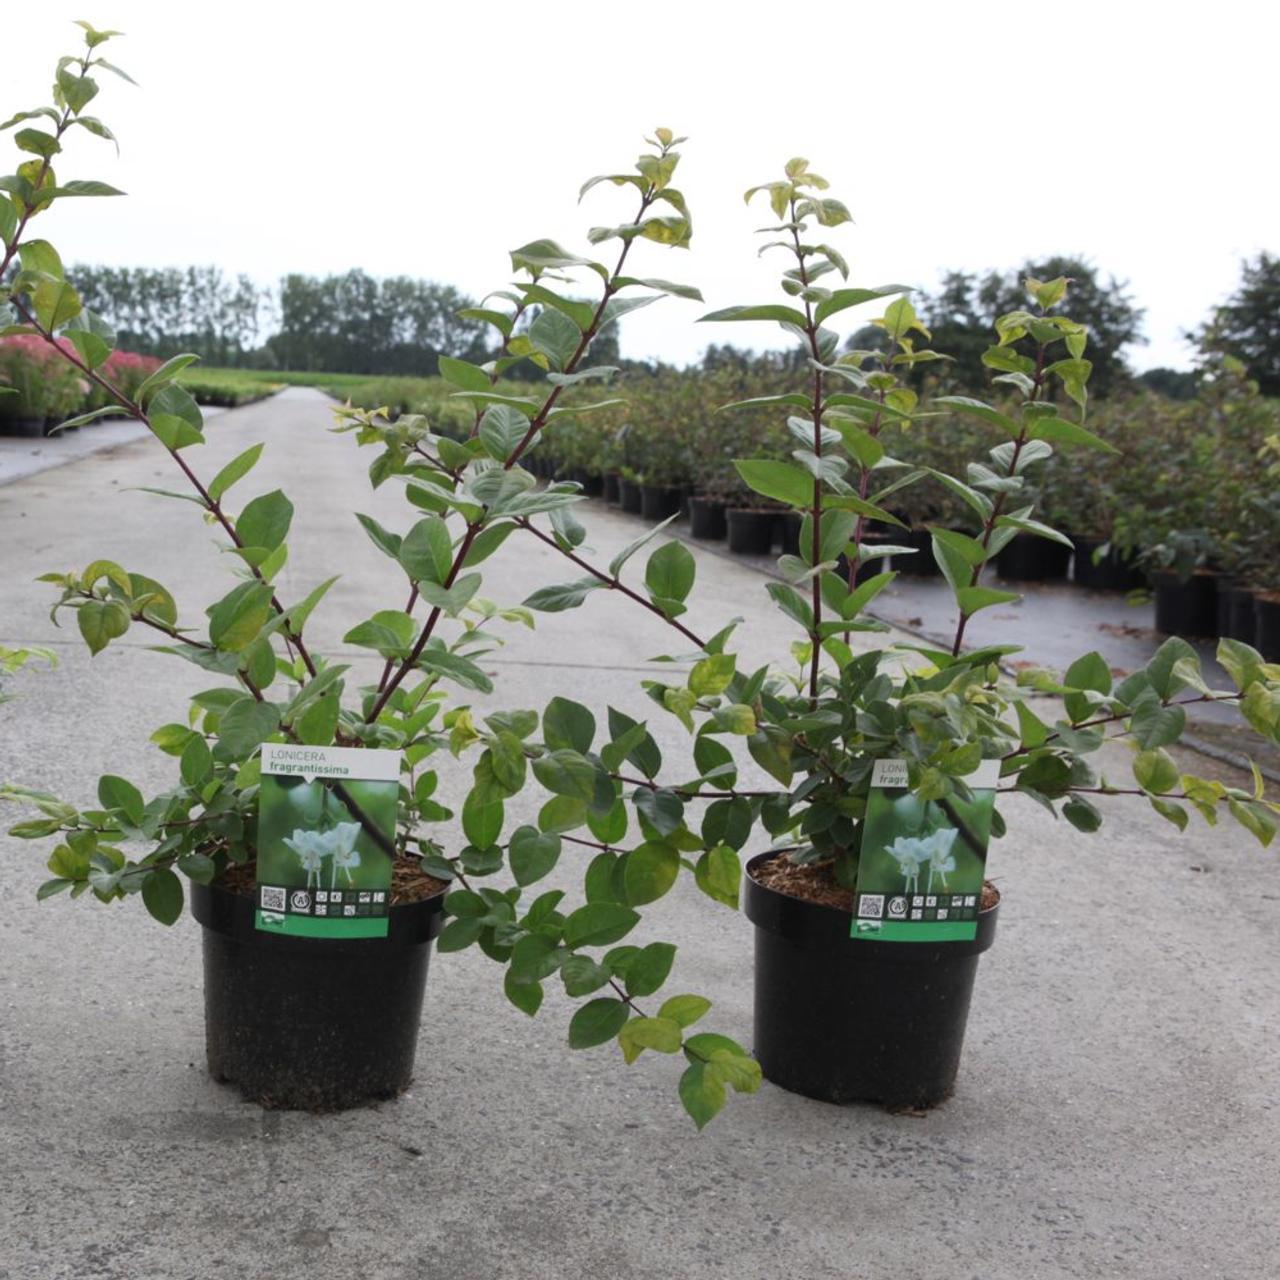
(429, 139)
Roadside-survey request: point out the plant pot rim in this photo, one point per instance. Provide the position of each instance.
(820, 923)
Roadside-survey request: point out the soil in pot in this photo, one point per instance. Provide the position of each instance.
(751, 530)
(1112, 572)
(314, 1024)
(706, 519)
(609, 487)
(1186, 608)
(657, 503)
(1266, 606)
(1027, 558)
(630, 497)
(846, 1020)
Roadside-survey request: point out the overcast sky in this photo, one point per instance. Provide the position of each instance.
(428, 139)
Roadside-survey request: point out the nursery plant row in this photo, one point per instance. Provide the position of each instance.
(51, 391)
(1189, 511)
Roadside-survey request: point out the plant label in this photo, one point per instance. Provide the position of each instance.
(326, 840)
(922, 862)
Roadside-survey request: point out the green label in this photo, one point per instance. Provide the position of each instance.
(922, 862)
(326, 841)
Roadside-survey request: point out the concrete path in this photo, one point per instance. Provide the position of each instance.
(1117, 1115)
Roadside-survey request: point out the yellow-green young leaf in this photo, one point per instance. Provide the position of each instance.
(1254, 818)
(55, 302)
(712, 676)
(719, 874)
(684, 1010)
(650, 872)
(736, 1069)
(663, 1035)
(101, 622)
(1155, 771)
(701, 1094)
(1170, 812)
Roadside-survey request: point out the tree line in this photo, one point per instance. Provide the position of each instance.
(355, 323)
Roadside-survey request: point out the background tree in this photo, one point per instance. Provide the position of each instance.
(1247, 326)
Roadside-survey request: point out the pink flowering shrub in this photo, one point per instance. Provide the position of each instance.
(49, 388)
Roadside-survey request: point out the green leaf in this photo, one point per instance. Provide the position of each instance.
(526, 996)
(533, 854)
(482, 816)
(616, 564)
(556, 336)
(501, 429)
(265, 521)
(1081, 814)
(566, 773)
(462, 374)
(162, 895)
(245, 725)
(648, 969)
(568, 725)
(1155, 725)
(663, 1035)
(650, 872)
(670, 572)
(1034, 527)
(197, 761)
(101, 622)
(1060, 431)
(459, 934)
(581, 976)
(701, 1094)
(118, 793)
(972, 599)
(1155, 771)
(768, 311)
(777, 480)
(453, 666)
(597, 1022)
(842, 299)
(568, 595)
(236, 469)
(599, 924)
(545, 255)
(976, 409)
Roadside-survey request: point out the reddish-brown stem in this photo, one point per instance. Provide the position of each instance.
(690, 795)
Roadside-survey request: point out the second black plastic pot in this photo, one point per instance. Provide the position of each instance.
(1186, 607)
(312, 1024)
(1267, 632)
(609, 489)
(629, 496)
(658, 503)
(1027, 558)
(751, 530)
(706, 519)
(1110, 572)
(848, 1020)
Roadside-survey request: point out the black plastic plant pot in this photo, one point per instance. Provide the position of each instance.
(658, 503)
(1110, 573)
(1186, 608)
(846, 1020)
(789, 531)
(312, 1024)
(609, 488)
(630, 497)
(750, 530)
(1027, 558)
(706, 519)
(592, 483)
(1236, 616)
(1267, 633)
(27, 428)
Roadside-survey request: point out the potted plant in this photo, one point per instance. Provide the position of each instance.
(881, 1018)
(278, 1001)
(818, 732)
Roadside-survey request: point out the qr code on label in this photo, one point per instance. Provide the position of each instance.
(272, 899)
(871, 906)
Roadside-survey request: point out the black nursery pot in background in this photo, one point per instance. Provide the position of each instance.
(847, 1020)
(659, 503)
(1186, 608)
(789, 532)
(1027, 558)
(706, 519)
(1267, 633)
(922, 564)
(1237, 619)
(609, 487)
(312, 1024)
(751, 530)
(1111, 573)
(630, 496)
